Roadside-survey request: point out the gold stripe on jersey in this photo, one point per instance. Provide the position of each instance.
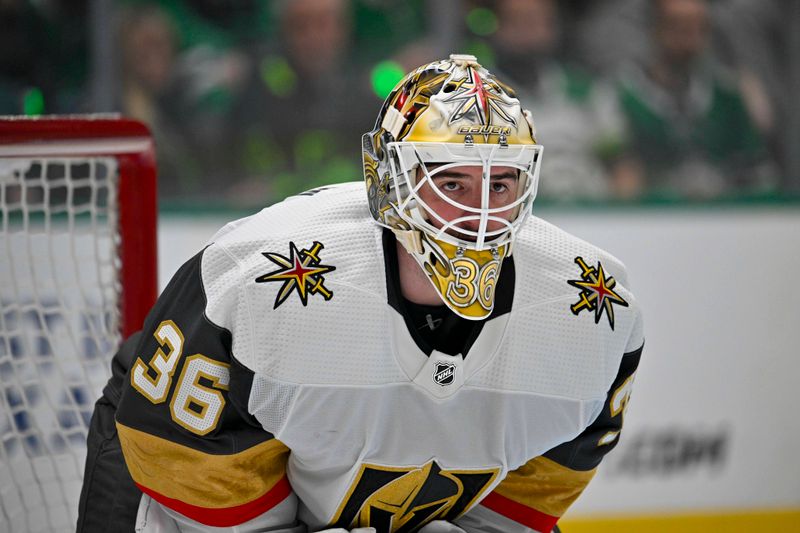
(545, 485)
(198, 478)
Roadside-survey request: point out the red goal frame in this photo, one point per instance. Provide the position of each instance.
(131, 144)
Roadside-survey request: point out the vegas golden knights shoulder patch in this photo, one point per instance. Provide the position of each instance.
(597, 292)
(302, 271)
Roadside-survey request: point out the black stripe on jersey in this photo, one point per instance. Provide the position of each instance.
(585, 452)
(184, 302)
(122, 362)
(456, 334)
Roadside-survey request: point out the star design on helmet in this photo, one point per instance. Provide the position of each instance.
(302, 271)
(597, 292)
(483, 97)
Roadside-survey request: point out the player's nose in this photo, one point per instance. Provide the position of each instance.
(472, 200)
(473, 197)
(471, 224)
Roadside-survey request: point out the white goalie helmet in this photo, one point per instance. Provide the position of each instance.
(445, 124)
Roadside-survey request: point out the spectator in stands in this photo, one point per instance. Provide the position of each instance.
(308, 102)
(150, 93)
(580, 122)
(689, 126)
(184, 73)
(756, 36)
(607, 35)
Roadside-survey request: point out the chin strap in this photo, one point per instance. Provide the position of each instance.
(410, 239)
(393, 121)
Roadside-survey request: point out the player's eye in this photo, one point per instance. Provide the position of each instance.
(499, 187)
(450, 186)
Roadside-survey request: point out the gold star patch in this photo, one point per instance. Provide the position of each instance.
(301, 271)
(597, 292)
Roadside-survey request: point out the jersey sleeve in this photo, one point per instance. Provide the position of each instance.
(534, 496)
(188, 439)
(109, 499)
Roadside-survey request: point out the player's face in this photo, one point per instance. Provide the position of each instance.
(463, 185)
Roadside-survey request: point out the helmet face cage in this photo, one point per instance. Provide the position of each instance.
(414, 165)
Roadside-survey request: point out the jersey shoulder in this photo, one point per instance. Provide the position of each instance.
(556, 250)
(323, 212)
(306, 269)
(328, 228)
(576, 288)
(557, 262)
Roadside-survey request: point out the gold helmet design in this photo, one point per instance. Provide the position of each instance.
(445, 115)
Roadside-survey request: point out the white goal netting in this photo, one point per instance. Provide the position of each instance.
(65, 297)
(59, 323)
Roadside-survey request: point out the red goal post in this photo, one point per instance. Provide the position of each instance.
(129, 141)
(78, 271)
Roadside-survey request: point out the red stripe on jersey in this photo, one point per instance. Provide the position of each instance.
(227, 516)
(517, 512)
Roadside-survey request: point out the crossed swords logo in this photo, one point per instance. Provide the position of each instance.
(301, 271)
(597, 292)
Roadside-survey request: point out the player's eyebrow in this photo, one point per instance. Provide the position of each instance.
(453, 173)
(507, 174)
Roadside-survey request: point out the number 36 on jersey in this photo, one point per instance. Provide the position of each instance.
(196, 400)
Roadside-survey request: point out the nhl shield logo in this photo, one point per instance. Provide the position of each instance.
(444, 374)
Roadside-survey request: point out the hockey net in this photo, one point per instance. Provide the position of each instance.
(77, 274)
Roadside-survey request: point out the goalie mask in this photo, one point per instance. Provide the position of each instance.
(452, 168)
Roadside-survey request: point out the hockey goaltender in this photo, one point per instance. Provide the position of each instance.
(426, 357)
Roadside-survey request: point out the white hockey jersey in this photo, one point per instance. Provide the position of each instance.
(278, 382)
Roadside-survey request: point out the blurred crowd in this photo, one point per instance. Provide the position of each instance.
(252, 100)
